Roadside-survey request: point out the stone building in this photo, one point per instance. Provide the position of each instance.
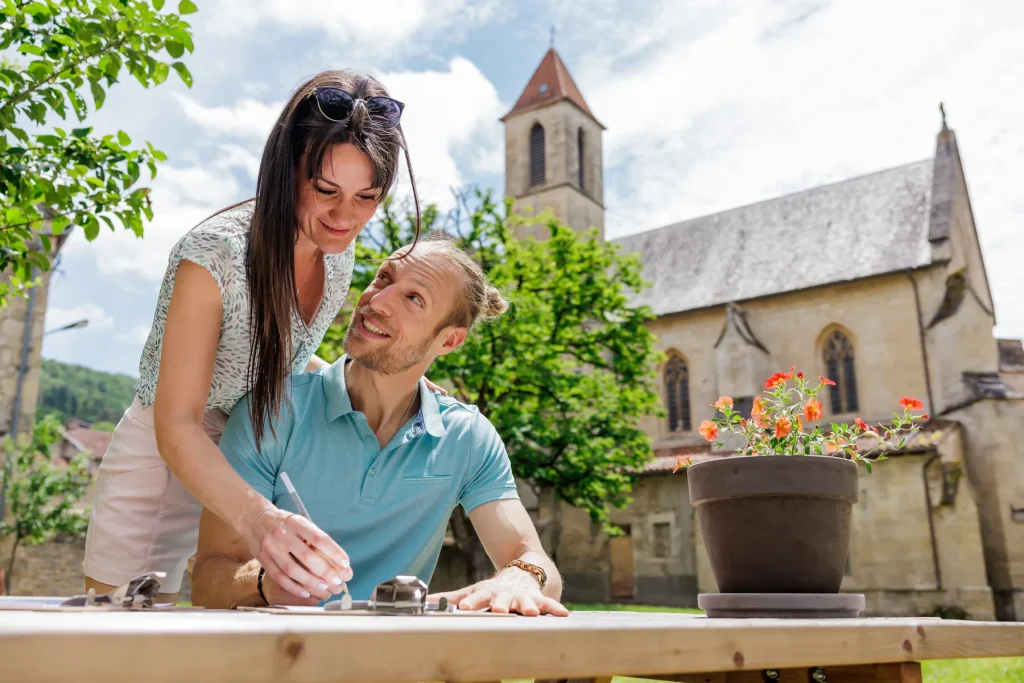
(877, 282)
(21, 330)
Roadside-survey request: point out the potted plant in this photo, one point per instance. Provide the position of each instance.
(775, 518)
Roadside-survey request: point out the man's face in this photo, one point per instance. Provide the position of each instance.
(395, 323)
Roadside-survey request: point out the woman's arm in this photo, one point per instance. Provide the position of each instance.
(191, 336)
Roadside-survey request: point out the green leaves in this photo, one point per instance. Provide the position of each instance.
(42, 497)
(183, 71)
(72, 52)
(187, 7)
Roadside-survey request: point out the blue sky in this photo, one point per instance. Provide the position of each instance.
(709, 105)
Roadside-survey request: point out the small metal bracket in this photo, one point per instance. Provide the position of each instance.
(139, 592)
(816, 675)
(400, 595)
(771, 676)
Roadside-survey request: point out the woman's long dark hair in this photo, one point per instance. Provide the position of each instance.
(301, 129)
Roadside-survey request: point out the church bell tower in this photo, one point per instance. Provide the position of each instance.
(553, 155)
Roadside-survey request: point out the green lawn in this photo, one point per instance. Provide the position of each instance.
(1001, 670)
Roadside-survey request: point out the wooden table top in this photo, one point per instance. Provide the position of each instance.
(201, 646)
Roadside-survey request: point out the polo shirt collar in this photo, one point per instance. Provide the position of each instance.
(339, 403)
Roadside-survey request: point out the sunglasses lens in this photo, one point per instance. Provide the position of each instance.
(386, 108)
(335, 104)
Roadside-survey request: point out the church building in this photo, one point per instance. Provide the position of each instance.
(884, 291)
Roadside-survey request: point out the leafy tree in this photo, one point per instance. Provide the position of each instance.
(91, 395)
(41, 496)
(53, 51)
(565, 375)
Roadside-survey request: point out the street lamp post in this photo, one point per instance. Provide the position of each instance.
(26, 348)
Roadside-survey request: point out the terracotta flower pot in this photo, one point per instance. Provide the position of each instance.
(775, 524)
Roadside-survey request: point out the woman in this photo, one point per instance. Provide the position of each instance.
(246, 300)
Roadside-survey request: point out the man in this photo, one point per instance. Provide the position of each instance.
(380, 462)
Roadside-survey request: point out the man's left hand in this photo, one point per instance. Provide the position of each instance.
(512, 590)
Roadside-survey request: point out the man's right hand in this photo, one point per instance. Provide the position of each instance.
(278, 596)
(299, 558)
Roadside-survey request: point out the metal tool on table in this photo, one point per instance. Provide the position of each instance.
(399, 595)
(346, 598)
(138, 593)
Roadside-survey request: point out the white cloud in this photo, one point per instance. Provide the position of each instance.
(136, 335)
(248, 118)
(450, 116)
(182, 198)
(710, 106)
(381, 30)
(59, 317)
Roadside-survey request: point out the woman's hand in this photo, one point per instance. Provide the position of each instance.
(298, 556)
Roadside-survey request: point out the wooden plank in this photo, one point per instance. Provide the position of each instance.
(227, 646)
(904, 672)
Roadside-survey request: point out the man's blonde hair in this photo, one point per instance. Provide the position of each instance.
(480, 299)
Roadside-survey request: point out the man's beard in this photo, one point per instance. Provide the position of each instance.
(387, 358)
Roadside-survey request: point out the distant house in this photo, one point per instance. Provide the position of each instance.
(79, 437)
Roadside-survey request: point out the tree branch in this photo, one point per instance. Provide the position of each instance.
(12, 101)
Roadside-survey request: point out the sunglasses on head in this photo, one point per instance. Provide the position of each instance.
(337, 105)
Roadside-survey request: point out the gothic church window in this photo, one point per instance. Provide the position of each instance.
(579, 155)
(537, 155)
(839, 367)
(677, 394)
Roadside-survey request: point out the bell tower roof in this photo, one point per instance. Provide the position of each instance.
(550, 83)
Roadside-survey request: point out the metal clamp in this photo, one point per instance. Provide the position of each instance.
(139, 592)
(400, 595)
(816, 675)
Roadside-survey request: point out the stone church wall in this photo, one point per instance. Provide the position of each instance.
(12, 331)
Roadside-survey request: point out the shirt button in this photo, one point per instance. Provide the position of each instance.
(372, 471)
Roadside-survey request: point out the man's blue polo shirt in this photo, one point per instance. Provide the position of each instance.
(388, 508)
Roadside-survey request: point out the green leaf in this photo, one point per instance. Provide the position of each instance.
(30, 49)
(40, 69)
(187, 7)
(48, 140)
(64, 40)
(175, 49)
(91, 226)
(183, 72)
(158, 5)
(123, 138)
(98, 93)
(867, 466)
(36, 8)
(20, 134)
(160, 72)
(81, 132)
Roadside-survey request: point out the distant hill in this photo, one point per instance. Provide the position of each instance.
(90, 395)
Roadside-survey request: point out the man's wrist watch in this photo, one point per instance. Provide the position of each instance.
(537, 572)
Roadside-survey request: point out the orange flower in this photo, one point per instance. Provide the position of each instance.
(757, 413)
(783, 426)
(743, 423)
(861, 423)
(911, 403)
(812, 410)
(833, 445)
(926, 416)
(799, 424)
(709, 430)
(800, 375)
(682, 463)
(724, 403)
(827, 381)
(777, 378)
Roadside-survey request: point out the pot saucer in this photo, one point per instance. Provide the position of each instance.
(781, 605)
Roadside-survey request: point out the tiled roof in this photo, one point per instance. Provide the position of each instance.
(550, 83)
(865, 226)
